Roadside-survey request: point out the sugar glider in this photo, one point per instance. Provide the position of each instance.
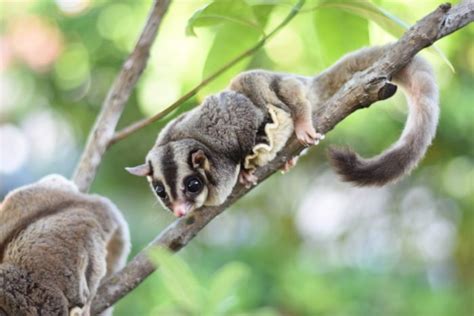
(56, 245)
(199, 156)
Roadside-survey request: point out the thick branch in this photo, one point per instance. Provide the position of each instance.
(362, 90)
(117, 97)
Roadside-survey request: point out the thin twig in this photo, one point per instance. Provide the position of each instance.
(127, 131)
(361, 91)
(117, 97)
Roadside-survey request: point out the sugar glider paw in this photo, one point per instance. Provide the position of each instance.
(306, 134)
(248, 178)
(289, 164)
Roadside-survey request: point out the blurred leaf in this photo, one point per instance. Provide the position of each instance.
(350, 34)
(231, 40)
(262, 12)
(269, 2)
(179, 280)
(387, 21)
(370, 11)
(223, 50)
(223, 287)
(266, 311)
(219, 11)
(164, 310)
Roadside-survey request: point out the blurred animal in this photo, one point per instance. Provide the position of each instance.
(56, 245)
(199, 156)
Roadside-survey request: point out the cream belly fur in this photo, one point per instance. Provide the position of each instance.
(278, 132)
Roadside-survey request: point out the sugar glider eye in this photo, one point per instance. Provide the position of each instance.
(193, 184)
(160, 191)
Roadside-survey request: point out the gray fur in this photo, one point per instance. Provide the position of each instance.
(56, 245)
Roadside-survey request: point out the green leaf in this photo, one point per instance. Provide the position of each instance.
(265, 311)
(178, 280)
(370, 11)
(229, 42)
(235, 11)
(338, 33)
(269, 2)
(387, 21)
(262, 12)
(223, 50)
(224, 285)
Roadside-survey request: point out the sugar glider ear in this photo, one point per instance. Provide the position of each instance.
(199, 160)
(141, 170)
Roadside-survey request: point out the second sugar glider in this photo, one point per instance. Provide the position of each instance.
(56, 246)
(199, 156)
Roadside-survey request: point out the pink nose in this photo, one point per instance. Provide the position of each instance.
(180, 209)
(179, 212)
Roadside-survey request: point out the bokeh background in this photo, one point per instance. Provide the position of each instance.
(303, 243)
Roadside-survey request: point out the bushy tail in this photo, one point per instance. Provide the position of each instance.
(418, 82)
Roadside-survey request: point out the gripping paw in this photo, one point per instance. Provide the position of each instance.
(306, 133)
(289, 164)
(248, 178)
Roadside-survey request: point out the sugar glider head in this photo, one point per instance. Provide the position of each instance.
(183, 175)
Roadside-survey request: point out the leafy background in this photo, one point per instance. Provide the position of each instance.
(300, 244)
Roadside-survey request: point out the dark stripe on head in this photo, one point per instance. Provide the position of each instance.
(169, 170)
(152, 171)
(190, 159)
(210, 178)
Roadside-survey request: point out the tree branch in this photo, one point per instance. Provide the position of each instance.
(117, 97)
(362, 90)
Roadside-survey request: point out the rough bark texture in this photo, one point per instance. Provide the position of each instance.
(117, 97)
(362, 90)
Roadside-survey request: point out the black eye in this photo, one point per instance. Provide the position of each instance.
(160, 191)
(193, 184)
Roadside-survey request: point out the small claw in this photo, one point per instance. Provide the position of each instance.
(306, 134)
(289, 164)
(248, 178)
(305, 140)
